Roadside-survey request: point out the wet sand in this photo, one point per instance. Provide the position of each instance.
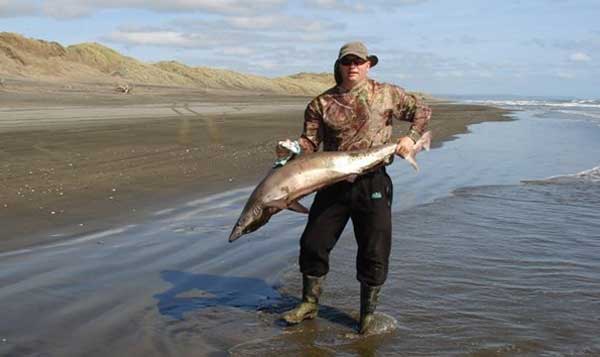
(138, 193)
(481, 265)
(79, 160)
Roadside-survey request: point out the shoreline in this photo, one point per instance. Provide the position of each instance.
(64, 174)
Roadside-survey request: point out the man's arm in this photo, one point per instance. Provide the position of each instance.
(411, 109)
(312, 132)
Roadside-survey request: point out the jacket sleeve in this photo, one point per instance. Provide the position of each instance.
(312, 134)
(410, 108)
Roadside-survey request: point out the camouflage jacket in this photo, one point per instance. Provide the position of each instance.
(361, 117)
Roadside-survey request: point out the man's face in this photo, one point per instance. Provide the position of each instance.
(353, 69)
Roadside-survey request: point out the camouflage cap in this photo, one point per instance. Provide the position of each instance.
(358, 49)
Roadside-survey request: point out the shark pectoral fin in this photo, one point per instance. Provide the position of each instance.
(351, 178)
(297, 207)
(280, 204)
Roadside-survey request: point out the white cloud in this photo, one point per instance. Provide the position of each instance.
(336, 5)
(484, 74)
(66, 9)
(565, 75)
(266, 64)
(233, 35)
(401, 75)
(77, 8)
(449, 74)
(220, 6)
(253, 23)
(324, 3)
(279, 22)
(10, 8)
(359, 5)
(580, 57)
(160, 38)
(237, 51)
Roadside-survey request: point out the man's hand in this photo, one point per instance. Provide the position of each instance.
(281, 151)
(287, 148)
(405, 145)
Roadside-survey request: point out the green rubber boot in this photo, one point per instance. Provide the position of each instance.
(368, 302)
(309, 307)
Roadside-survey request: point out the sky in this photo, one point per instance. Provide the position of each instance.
(459, 47)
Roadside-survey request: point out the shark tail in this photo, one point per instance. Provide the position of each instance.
(423, 143)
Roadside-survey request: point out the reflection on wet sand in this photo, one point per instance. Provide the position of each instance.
(192, 292)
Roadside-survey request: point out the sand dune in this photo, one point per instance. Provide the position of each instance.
(25, 58)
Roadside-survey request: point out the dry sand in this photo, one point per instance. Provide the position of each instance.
(79, 159)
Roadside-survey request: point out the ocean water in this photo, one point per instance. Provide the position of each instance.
(494, 253)
(495, 244)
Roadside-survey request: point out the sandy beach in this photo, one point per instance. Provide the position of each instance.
(78, 170)
(118, 210)
(75, 162)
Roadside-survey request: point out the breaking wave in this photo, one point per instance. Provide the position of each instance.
(579, 112)
(587, 110)
(576, 103)
(586, 176)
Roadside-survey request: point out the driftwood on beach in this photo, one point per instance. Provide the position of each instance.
(124, 88)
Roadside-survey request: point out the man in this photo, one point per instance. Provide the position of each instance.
(355, 114)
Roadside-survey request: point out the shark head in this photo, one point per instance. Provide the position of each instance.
(254, 216)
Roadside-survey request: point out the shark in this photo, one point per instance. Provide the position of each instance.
(284, 186)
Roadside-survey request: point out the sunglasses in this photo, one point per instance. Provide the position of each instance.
(346, 61)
